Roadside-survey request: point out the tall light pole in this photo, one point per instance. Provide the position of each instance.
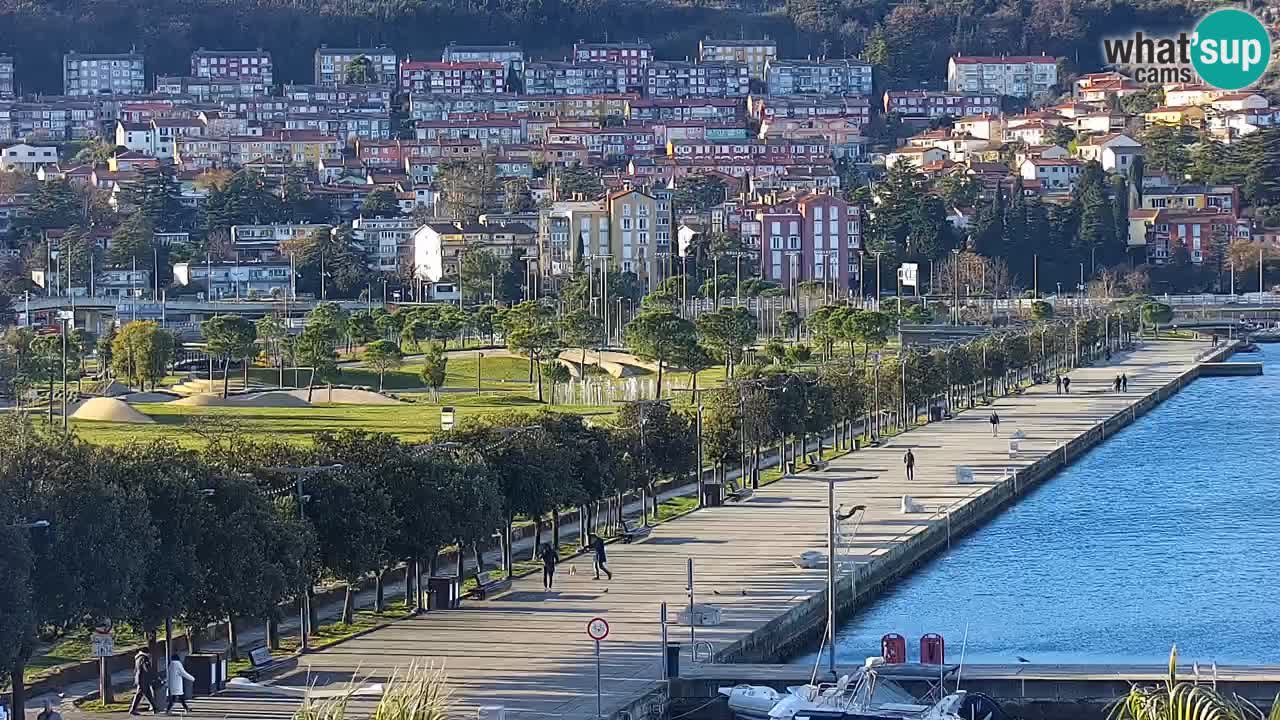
(955, 282)
(878, 253)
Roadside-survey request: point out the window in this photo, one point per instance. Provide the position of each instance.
(775, 242)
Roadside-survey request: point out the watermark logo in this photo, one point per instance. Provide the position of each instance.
(1229, 49)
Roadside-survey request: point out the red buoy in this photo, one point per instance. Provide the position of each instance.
(893, 648)
(932, 649)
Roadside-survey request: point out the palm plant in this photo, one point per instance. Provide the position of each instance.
(1185, 700)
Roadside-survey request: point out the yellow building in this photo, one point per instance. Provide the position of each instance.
(633, 218)
(1169, 115)
(755, 54)
(569, 230)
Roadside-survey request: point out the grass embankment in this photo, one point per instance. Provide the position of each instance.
(409, 421)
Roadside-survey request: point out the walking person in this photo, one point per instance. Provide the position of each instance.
(910, 461)
(995, 423)
(1066, 385)
(597, 546)
(178, 679)
(1057, 382)
(1124, 382)
(49, 712)
(144, 680)
(1116, 384)
(549, 561)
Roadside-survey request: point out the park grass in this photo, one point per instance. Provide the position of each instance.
(496, 373)
(410, 421)
(97, 707)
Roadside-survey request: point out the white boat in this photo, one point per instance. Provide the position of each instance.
(868, 694)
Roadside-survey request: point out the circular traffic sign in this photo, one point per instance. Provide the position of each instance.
(597, 629)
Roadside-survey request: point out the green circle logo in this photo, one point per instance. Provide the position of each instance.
(1231, 49)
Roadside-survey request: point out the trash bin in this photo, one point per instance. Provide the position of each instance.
(673, 661)
(204, 668)
(712, 494)
(443, 592)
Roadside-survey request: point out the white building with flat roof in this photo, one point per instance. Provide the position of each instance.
(1019, 76)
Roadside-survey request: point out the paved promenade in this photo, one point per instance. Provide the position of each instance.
(528, 649)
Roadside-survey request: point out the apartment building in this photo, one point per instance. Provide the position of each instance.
(935, 104)
(386, 241)
(633, 223)
(103, 74)
(1013, 75)
(820, 77)
(755, 54)
(634, 56)
(812, 236)
(8, 89)
(439, 248)
(672, 79)
(575, 78)
(233, 64)
(1202, 232)
(568, 230)
(331, 64)
(453, 78)
(236, 279)
(27, 158)
(264, 241)
(211, 90)
(511, 56)
(51, 119)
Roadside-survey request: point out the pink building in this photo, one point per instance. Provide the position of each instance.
(813, 236)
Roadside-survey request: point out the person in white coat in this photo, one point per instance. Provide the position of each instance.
(178, 679)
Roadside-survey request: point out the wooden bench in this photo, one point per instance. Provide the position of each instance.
(262, 663)
(735, 493)
(490, 583)
(632, 531)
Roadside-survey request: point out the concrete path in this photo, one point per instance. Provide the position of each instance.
(528, 649)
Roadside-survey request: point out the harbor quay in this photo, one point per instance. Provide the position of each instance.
(528, 651)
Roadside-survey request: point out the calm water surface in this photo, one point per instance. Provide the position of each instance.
(1168, 532)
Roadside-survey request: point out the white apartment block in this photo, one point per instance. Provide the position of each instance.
(233, 64)
(265, 240)
(331, 64)
(1012, 75)
(756, 54)
(103, 74)
(235, 280)
(385, 240)
(7, 88)
(821, 77)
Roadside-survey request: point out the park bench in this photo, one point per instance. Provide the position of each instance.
(490, 583)
(736, 493)
(633, 530)
(263, 663)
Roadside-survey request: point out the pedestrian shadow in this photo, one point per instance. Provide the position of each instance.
(683, 541)
(519, 596)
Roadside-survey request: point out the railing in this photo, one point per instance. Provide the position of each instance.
(708, 655)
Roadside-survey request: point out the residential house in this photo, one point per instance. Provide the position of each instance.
(27, 158)
(439, 249)
(668, 79)
(220, 280)
(386, 241)
(767, 108)
(987, 127)
(634, 56)
(510, 56)
(453, 78)
(103, 73)
(821, 77)
(7, 86)
(755, 54)
(252, 65)
(574, 78)
(1052, 174)
(843, 135)
(917, 157)
(1191, 95)
(265, 241)
(331, 64)
(1099, 88)
(1016, 76)
(812, 236)
(935, 104)
(649, 110)
(1114, 151)
(1204, 233)
(1216, 198)
(1170, 115)
(1240, 101)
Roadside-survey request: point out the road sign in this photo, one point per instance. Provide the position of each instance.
(104, 644)
(909, 274)
(597, 629)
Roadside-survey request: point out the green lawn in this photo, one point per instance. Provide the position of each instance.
(498, 373)
(416, 421)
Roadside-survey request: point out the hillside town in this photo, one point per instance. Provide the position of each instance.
(216, 183)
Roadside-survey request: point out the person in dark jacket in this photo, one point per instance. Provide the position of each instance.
(597, 545)
(549, 561)
(909, 460)
(995, 423)
(144, 680)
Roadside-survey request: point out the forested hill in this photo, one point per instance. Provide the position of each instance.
(911, 39)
